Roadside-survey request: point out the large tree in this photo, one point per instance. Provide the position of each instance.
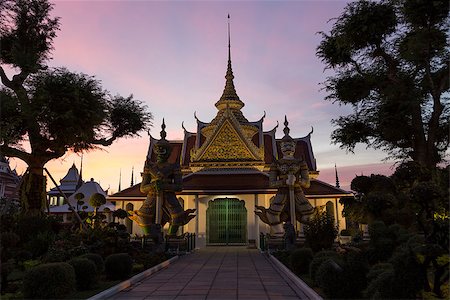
(46, 112)
(391, 63)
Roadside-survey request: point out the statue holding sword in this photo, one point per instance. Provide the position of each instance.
(290, 175)
(160, 181)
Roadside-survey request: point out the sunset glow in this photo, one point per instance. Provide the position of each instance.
(172, 56)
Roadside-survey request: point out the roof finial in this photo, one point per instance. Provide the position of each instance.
(163, 131)
(80, 177)
(286, 129)
(120, 179)
(229, 42)
(229, 94)
(132, 176)
(337, 176)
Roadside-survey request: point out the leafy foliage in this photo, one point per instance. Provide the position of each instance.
(300, 259)
(321, 225)
(118, 266)
(318, 259)
(54, 110)
(391, 63)
(343, 277)
(49, 281)
(97, 260)
(85, 272)
(97, 200)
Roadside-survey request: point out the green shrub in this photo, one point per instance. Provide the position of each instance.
(329, 278)
(356, 268)
(300, 260)
(49, 281)
(320, 232)
(318, 259)
(282, 255)
(30, 226)
(39, 244)
(377, 270)
(343, 277)
(403, 280)
(97, 260)
(97, 200)
(85, 272)
(118, 266)
(381, 286)
(408, 273)
(9, 239)
(149, 260)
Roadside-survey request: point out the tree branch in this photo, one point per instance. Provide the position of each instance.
(357, 67)
(13, 152)
(19, 79)
(5, 79)
(390, 62)
(104, 142)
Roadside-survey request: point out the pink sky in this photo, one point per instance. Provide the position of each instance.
(172, 55)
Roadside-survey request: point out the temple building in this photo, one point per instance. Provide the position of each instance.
(9, 180)
(72, 184)
(225, 165)
(68, 185)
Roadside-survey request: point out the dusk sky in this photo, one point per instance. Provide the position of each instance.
(173, 55)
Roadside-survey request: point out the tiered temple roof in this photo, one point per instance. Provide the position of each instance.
(231, 154)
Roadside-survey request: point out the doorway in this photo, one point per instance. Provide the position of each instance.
(226, 222)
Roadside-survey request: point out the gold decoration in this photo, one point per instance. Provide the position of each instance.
(227, 145)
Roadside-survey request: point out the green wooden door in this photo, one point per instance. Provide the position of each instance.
(226, 222)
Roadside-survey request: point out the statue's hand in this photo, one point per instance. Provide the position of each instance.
(291, 179)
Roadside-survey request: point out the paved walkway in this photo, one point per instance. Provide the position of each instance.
(216, 273)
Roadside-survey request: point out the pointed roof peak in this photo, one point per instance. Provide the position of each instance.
(229, 95)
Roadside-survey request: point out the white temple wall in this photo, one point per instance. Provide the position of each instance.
(254, 225)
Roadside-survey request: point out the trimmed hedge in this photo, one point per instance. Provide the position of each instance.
(118, 266)
(300, 260)
(329, 279)
(49, 281)
(343, 277)
(97, 260)
(318, 259)
(85, 272)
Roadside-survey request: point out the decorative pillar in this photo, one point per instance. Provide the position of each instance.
(337, 215)
(196, 219)
(256, 224)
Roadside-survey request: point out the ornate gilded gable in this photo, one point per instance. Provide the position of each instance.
(227, 145)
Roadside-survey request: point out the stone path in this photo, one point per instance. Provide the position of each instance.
(216, 273)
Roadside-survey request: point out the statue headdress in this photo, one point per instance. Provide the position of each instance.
(162, 144)
(286, 138)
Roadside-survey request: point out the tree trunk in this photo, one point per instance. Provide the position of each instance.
(32, 191)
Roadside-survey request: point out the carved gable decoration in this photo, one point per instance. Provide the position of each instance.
(227, 145)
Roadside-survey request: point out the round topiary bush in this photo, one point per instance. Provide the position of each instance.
(382, 286)
(318, 259)
(354, 279)
(97, 200)
(329, 277)
(97, 260)
(118, 266)
(85, 272)
(49, 281)
(300, 260)
(378, 269)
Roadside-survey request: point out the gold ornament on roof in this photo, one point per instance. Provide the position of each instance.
(227, 146)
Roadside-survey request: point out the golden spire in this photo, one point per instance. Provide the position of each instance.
(229, 97)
